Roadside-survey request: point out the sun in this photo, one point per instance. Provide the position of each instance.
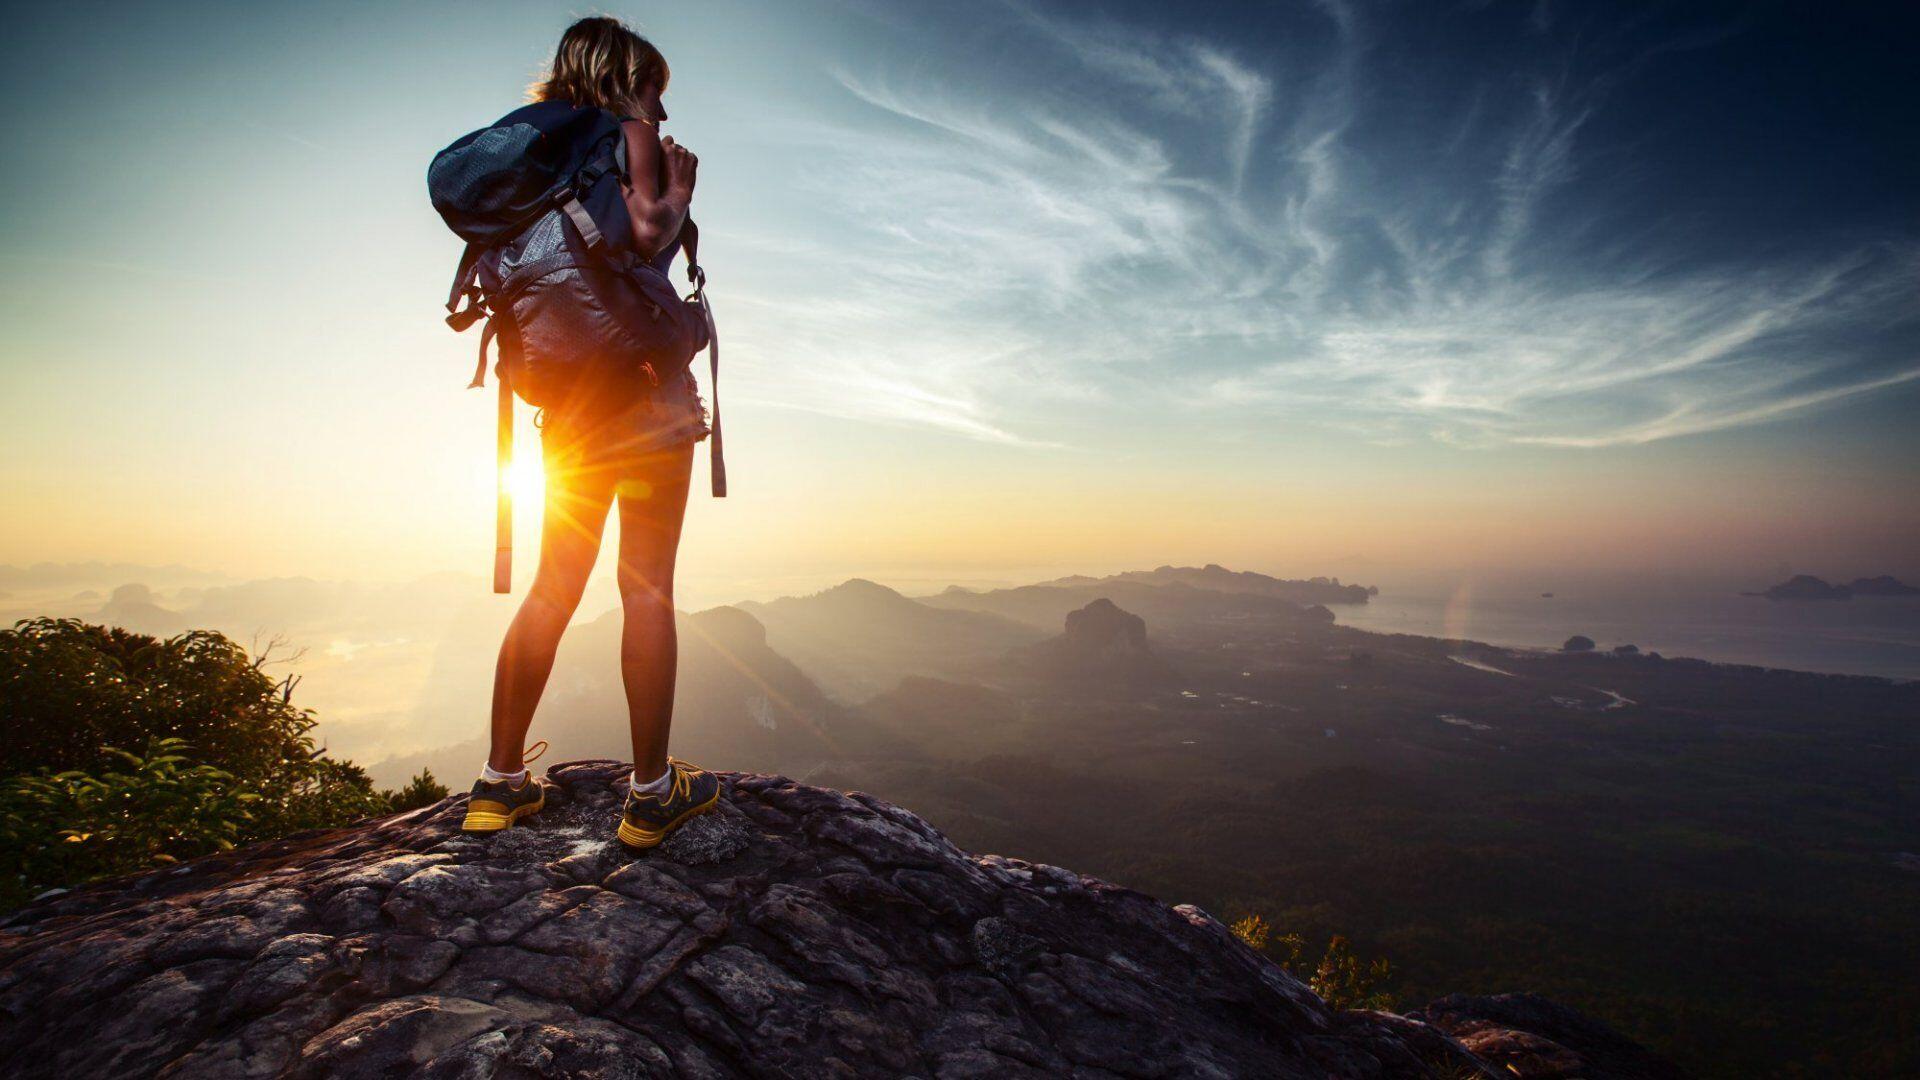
(524, 478)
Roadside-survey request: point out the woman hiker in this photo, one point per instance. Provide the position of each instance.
(635, 454)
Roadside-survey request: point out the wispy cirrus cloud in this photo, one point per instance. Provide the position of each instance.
(1251, 228)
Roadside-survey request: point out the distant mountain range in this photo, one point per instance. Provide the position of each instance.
(1173, 607)
(1213, 576)
(859, 638)
(736, 700)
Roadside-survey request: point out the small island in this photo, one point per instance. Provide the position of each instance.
(1884, 585)
(1808, 587)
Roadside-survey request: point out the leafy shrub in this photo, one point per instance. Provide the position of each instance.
(227, 757)
(1347, 982)
(1342, 979)
(422, 790)
(1253, 930)
(72, 689)
(156, 808)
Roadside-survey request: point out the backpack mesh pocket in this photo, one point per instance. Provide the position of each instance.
(570, 343)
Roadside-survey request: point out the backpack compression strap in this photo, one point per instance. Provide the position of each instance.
(466, 285)
(503, 495)
(690, 243)
(466, 278)
(503, 448)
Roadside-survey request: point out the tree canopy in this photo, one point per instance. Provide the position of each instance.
(129, 751)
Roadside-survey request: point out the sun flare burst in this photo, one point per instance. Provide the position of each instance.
(524, 478)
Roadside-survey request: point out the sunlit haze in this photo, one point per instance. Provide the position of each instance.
(1484, 290)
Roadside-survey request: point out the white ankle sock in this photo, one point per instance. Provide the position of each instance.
(656, 786)
(493, 776)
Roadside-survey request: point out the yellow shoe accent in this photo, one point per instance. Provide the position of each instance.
(486, 815)
(482, 821)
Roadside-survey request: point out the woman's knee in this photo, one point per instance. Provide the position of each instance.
(557, 594)
(641, 593)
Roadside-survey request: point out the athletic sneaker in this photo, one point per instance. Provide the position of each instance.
(649, 818)
(497, 804)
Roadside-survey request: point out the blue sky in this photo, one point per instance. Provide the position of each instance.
(1479, 223)
(1003, 285)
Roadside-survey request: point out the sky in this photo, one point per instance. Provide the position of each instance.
(1007, 290)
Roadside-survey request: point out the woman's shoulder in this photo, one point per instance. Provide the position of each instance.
(643, 141)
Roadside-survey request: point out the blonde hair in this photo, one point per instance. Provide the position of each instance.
(601, 63)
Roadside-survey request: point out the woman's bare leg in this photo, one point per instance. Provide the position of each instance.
(652, 507)
(569, 544)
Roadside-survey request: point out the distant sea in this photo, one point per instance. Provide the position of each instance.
(1862, 636)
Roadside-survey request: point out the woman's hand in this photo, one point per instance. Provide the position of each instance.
(659, 187)
(680, 166)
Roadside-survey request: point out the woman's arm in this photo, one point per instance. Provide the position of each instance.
(660, 190)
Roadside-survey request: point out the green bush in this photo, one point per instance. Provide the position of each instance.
(72, 689)
(226, 757)
(422, 790)
(1342, 979)
(1347, 982)
(157, 808)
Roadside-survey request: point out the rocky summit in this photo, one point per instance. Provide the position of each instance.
(792, 932)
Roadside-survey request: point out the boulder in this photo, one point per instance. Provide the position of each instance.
(1528, 1036)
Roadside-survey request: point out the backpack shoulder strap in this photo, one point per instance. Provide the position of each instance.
(589, 232)
(609, 160)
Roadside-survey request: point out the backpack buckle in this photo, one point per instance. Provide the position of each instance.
(466, 317)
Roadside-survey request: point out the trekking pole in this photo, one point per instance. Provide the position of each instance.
(503, 496)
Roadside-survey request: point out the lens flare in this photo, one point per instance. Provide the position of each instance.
(1457, 620)
(524, 478)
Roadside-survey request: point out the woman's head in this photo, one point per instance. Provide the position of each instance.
(602, 64)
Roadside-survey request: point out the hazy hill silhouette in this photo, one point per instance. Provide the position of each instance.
(136, 608)
(736, 700)
(1883, 585)
(859, 638)
(42, 576)
(1806, 587)
(1175, 608)
(1219, 578)
(1809, 587)
(1102, 644)
(942, 718)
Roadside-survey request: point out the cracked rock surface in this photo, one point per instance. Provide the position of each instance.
(791, 932)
